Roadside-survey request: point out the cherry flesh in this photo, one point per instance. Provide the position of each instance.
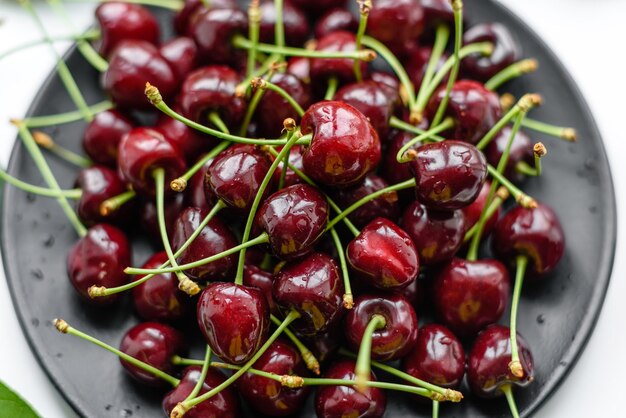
(99, 183)
(505, 51)
(335, 20)
(103, 135)
(120, 21)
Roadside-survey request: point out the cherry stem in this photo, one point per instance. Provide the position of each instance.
(185, 283)
(435, 409)
(364, 11)
(183, 407)
(217, 121)
(515, 365)
(363, 367)
(312, 381)
(68, 117)
(501, 195)
(41, 191)
(441, 39)
(568, 134)
(395, 65)
(520, 197)
(402, 156)
(457, 7)
(45, 141)
(254, 23)
(165, 4)
(508, 393)
(283, 172)
(407, 184)
(517, 69)
(180, 361)
(252, 106)
(510, 115)
(62, 68)
(112, 204)
(348, 298)
(398, 123)
(267, 65)
(88, 36)
(180, 184)
(331, 89)
(64, 328)
(279, 27)
(102, 291)
(262, 84)
(307, 355)
(205, 368)
(46, 173)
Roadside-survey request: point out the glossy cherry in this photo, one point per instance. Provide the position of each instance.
(154, 344)
(334, 20)
(418, 62)
(469, 295)
(345, 146)
(396, 338)
(318, 7)
(295, 23)
(99, 183)
(181, 54)
(437, 11)
(254, 276)
(103, 135)
(313, 286)
(388, 80)
(213, 30)
(521, 150)
(375, 100)
(323, 69)
(505, 51)
(391, 170)
(196, 194)
(295, 160)
(174, 205)
(234, 320)
(190, 142)
(324, 346)
(300, 67)
(395, 21)
(190, 7)
(473, 211)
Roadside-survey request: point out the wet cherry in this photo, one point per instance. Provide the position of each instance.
(254, 276)
(273, 109)
(323, 69)
(505, 51)
(181, 54)
(103, 135)
(99, 183)
(473, 211)
(213, 30)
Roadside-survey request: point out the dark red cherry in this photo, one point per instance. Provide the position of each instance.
(449, 174)
(213, 30)
(375, 100)
(295, 160)
(535, 233)
(212, 89)
(99, 259)
(174, 205)
(396, 338)
(521, 150)
(234, 320)
(103, 135)
(131, 65)
(505, 51)
(469, 295)
(301, 68)
(437, 357)
(312, 286)
(295, 219)
(345, 146)
(437, 11)
(391, 170)
(295, 23)
(334, 20)
(316, 8)
(181, 54)
(324, 346)
(120, 21)
(418, 62)
(195, 193)
(254, 276)
(323, 69)
(158, 298)
(488, 362)
(214, 239)
(268, 396)
(190, 142)
(235, 175)
(346, 401)
(384, 255)
(437, 235)
(395, 21)
(155, 344)
(143, 150)
(99, 183)
(474, 109)
(225, 404)
(473, 211)
(388, 80)
(184, 15)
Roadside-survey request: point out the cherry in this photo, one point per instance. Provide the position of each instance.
(213, 29)
(345, 146)
(396, 338)
(99, 259)
(174, 205)
(313, 287)
(254, 276)
(473, 211)
(234, 320)
(521, 150)
(335, 20)
(295, 23)
(99, 183)
(295, 160)
(437, 235)
(343, 401)
(103, 135)
(295, 219)
(184, 15)
(449, 174)
(469, 295)
(388, 80)
(325, 345)
(396, 21)
(505, 51)
(342, 69)
(187, 140)
(474, 108)
(140, 152)
(319, 6)
(120, 21)
(195, 192)
(437, 11)
(154, 344)
(300, 67)
(268, 396)
(418, 62)
(131, 65)
(224, 404)
(181, 54)
(214, 239)
(273, 109)
(384, 255)
(393, 171)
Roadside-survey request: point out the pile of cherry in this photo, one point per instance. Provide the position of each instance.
(294, 191)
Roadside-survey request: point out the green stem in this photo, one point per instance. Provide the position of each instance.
(176, 183)
(364, 11)
(485, 140)
(397, 123)
(524, 168)
(441, 39)
(331, 89)
(283, 172)
(87, 36)
(264, 84)
(308, 357)
(205, 368)
(180, 361)
(46, 142)
(520, 197)
(313, 381)
(41, 191)
(266, 66)
(514, 70)
(68, 117)
(491, 210)
(252, 106)
(348, 298)
(254, 22)
(508, 393)
(217, 121)
(363, 366)
(448, 123)
(515, 365)
(568, 134)
(435, 409)
(279, 27)
(113, 203)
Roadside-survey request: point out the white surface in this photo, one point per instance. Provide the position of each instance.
(588, 35)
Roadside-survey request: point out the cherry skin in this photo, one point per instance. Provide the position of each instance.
(213, 29)
(437, 357)
(120, 21)
(132, 63)
(295, 23)
(488, 362)
(301, 68)
(384, 255)
(324, 346)
(323, 69)
(473, 211)
(225, 404)
(318, 7)
(535, 233)
(295, 219)
(99, 183)
(449, 174)
(214, 239)
(521, 150)
(437, 235)
(474, 109)
(99, 259)
(155, 344)
(505, 51)
(469, 295)
(234, 320)
(195, 193)
(181, 54)
(396, 21)
(103, 135)
(174, 205)
(437, 11)
(295, 160)
(346, 401)
(142, 151)
(254, 276)
(268, 396)
(418, 62)
(396, 338)
(345, 146)
(187, 140)
(158, 298)
(389, 80)
(335, 20)
(184, 15)
(375, 100)
(312, 286)
(391, 170)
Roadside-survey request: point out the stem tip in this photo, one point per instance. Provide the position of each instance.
(289, 124)
(188, 286)
(153, 94)
(453, 395)
(292, 382)
(569, 134)
(178, 185)
(43, 139)
(516, 368)
(540, 150)
(348, 301)
(61, 325)
(179, 411)
(96, 291)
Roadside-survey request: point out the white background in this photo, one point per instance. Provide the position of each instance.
(588, 35)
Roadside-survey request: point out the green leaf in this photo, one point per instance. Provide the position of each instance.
(11, 405)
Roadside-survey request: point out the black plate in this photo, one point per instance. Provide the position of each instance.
(557, 316)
